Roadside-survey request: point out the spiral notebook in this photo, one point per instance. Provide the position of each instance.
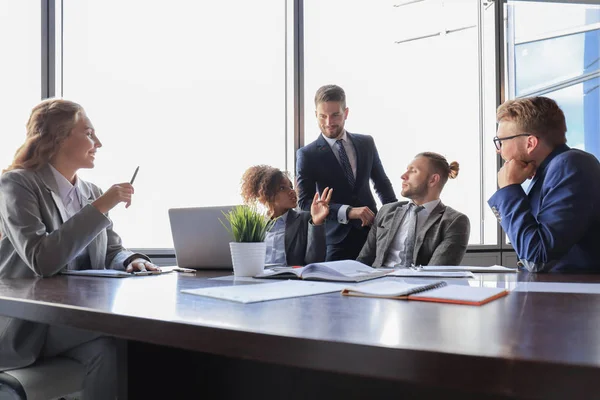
(438, 291)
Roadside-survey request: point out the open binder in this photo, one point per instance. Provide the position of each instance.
(336, 271)
(438, 291)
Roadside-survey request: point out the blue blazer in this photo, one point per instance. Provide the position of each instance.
(318, 168)
(556, 226)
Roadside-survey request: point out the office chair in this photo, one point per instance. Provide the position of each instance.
(47, 379)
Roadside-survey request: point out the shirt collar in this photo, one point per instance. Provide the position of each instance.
(429, 206)
(560, 149)
(283, 217)
(65, 188)
(331, 142)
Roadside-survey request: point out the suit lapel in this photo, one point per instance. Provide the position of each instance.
(357, 150)
(291, 227)
(393, 229)
(435, 216)
(96, 256)
(86, 194)
(325, 149)
(47, 177)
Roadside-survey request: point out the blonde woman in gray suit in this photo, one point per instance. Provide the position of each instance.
(297, 237)
(52, 220)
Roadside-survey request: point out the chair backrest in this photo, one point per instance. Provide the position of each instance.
(11, 388)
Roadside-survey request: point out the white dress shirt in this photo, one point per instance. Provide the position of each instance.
(275, 241)
(70, 195)
(397, 245)
(351, 153)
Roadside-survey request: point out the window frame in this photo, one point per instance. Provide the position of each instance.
(52, 39)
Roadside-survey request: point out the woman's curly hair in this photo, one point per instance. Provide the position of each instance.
(260, 184)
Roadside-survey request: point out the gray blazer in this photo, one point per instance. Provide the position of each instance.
(304, 242)
(442, 240)
(37, 242)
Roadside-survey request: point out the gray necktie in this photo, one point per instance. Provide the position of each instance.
(345, 162)
(409, 243)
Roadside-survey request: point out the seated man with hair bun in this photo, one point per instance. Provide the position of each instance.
(421, 231)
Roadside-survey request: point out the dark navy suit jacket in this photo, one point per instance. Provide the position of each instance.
(318, 168)
(556, 226)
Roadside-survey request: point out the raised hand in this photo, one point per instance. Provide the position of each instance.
(119, 193)
(319, 209)
(515, 172)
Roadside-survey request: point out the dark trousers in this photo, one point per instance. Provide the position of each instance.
(350, 247)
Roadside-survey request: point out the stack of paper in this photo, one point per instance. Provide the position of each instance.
(266, 291)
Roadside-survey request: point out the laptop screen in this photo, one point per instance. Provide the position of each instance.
(199, 237)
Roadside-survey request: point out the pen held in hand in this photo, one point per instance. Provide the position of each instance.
(134, 175)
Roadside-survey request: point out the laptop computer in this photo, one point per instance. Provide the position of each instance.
(200, 240)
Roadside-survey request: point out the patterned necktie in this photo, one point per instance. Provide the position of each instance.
(345, 162)
(409, 242)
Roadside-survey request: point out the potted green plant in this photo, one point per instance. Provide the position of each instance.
(248, 227)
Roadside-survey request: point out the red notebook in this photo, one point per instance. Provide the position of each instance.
(438, 291)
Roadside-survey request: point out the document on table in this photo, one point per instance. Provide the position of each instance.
(267, 291)
(407, 272)
(558, 287)
(111, 273)
(492, 269)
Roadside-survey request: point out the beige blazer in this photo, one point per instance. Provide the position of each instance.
(37, 242)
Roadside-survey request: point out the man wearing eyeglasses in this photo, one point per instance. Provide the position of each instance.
(554, 224)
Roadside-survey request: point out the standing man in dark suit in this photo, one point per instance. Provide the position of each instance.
(345, 162)
(554, 225)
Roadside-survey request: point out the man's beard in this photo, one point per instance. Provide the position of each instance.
(415, 191)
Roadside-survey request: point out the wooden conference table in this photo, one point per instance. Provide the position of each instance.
(525, 345)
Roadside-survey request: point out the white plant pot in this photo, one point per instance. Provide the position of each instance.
(248, 258)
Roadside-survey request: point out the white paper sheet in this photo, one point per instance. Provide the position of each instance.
(432, 274)
(558, 287)
(105, 273)
(267, 291)
(493, 268)
(234, 278)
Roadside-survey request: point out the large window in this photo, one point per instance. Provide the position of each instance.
(191, 91)
(419, 76)
(20, 72)
(554, 50)
(196, 91)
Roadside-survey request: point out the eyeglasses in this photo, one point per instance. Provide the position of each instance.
(498, 141)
